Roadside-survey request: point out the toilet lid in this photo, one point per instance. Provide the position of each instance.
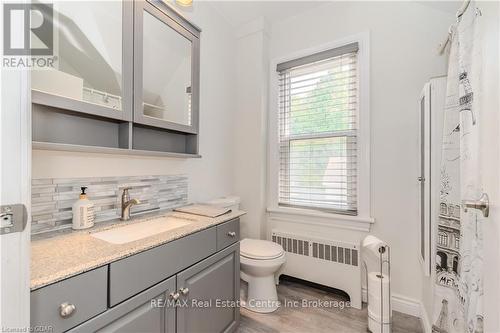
(260, 249)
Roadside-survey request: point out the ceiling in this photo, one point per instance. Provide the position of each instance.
(449, 6)
(239, 12)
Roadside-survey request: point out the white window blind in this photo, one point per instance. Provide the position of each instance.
(318, 108)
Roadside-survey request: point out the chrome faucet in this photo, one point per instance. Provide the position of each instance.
(126, 204)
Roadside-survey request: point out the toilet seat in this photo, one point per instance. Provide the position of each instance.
(260, 249)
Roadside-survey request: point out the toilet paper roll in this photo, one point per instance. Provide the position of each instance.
(372, 244)
(370, 252)
(375, 297)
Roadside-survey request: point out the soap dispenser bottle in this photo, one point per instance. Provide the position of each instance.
(83, 212)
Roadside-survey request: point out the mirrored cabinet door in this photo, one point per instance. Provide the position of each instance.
(166, 89)
(166, 70)
(91, 73)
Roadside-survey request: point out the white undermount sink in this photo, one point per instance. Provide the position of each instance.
(140, 230)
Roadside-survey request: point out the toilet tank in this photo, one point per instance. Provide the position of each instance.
(231, 202)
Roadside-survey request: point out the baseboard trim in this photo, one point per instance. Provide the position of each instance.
(402, 304)
(424, 317)
(408, 306)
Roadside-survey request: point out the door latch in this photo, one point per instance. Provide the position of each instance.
(483, 204)
(13, 218)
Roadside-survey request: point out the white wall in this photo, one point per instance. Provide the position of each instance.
(403, 38)
(250, 126)
(210, 176)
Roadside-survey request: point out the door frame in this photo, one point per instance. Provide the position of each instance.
(15, 179)
(15, 188)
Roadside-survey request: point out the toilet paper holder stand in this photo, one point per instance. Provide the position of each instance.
(384, 262)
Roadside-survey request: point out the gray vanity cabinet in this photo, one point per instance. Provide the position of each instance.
(184, 286)
(131, 275)
(209, 291)
(207, 294)
(150, 311)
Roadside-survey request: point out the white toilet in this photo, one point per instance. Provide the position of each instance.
(259, 261)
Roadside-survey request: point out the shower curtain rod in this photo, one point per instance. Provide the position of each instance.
(459, 14)
(462, 9)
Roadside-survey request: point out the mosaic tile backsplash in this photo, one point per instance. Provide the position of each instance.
(52, 198)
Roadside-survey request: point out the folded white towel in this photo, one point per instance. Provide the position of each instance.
(203, 210)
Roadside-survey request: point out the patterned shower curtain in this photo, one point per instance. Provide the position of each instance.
(459, 248)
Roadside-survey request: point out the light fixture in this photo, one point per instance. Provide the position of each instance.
(184, 3)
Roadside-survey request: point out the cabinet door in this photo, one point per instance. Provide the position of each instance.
(152, 311)
(424, 180)
(47, 303)
(166, 69)
(92, 67)
(213, 285)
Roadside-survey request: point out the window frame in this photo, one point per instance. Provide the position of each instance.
(364, 212)
(443, 239)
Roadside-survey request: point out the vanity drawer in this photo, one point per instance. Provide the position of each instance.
(87, 292)
(228, 233)
(130, 276)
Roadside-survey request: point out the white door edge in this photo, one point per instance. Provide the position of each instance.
(15, 187)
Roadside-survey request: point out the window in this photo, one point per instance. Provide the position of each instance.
(457, 243)
(443, 239)
(318, 105)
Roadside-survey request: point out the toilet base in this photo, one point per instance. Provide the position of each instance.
(261, 296)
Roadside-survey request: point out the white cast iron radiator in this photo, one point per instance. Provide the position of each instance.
(328, 262)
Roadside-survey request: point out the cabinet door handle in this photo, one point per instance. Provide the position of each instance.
(184, 291)
(174, 296)
(66, 309)
(231, 234)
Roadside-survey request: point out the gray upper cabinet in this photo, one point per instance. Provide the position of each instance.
(92, 73)
(166, 68)
(126, 81)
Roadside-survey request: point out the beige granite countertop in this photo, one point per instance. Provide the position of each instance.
(65, 255)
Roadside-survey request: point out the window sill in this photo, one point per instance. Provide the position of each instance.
(305, 216)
